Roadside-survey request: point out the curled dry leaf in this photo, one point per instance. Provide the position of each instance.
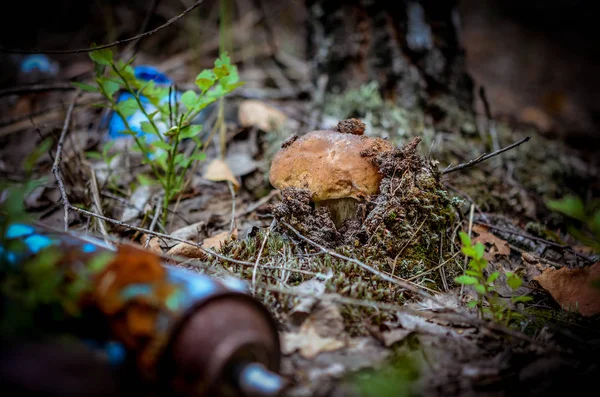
(305, 305)
(153, 244)
(396, 335)
(498, 246)
(253, 113)
(218, 239)
(218, 170)
(322, 331)
(191, 251)
(187, 250)
(574, 289)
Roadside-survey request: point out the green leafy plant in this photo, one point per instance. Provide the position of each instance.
(171, 121)
(488, 301)
(586, 225)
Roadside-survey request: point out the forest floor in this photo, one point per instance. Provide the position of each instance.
(371, 313)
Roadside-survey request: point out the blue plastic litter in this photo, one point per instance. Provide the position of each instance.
(116, 126)
(38, 62)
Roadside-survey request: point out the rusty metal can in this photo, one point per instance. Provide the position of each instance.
(188, 333)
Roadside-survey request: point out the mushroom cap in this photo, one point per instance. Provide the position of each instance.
(330, 164)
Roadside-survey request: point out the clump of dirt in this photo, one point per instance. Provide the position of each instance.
(412, 211)
(296, 209)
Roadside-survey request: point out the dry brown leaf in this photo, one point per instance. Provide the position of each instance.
(309, 343)
(218, 170)
(573, 289)
(218, 239)
(322, 331)
(498, 246)
(254, 113)
(187, 250)
(396, 335)
(191, 251)
(153, 245)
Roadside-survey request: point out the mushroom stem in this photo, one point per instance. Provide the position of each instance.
(341, 209)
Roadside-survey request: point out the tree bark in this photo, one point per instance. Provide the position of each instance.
(411, 48)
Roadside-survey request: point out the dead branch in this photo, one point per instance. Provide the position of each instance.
(262, 247)
(538, 239)
(58, 158)
(27, 89)
(103, 46)
(484, 157)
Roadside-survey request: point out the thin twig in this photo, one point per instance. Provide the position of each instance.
(207, 251)
(58, 158)
(113, 44)
(145, 24)
(157, 209)
(262, 247)
(98, 203)
(232, 191)
(484, 157)
(27, 89)
(491, 124)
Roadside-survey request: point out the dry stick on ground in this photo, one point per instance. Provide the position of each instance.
(157, 209)
(207, 251)
(98, 203)
(491, 124)
(260, 251)
(232, 223)
(539, 239)
(27, 89)
(58, 158)
(484, 157)
(103, 46)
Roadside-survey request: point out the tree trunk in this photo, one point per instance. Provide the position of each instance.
(411, 48)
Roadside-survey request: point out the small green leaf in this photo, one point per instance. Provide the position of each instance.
(205, 80)
(513, 280)
(472, 273)
(466, 280)
(144, 180)
(480, 289)
(190, 131)
(570, 205)
(479, 250)
(128, 107)
(109, 87)
(222, 65)
(161, 145)
(471, 304)
(492, 277)
(198, 157)
(147, 127)
(465, 239)
(189, 99)
(522, 299)
(179, 159)
(85, 87)
(469, 251)
(103, 56)
(93, 155)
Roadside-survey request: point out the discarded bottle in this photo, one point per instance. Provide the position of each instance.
(187, 333)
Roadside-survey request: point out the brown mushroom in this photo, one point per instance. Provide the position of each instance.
(335, 167)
